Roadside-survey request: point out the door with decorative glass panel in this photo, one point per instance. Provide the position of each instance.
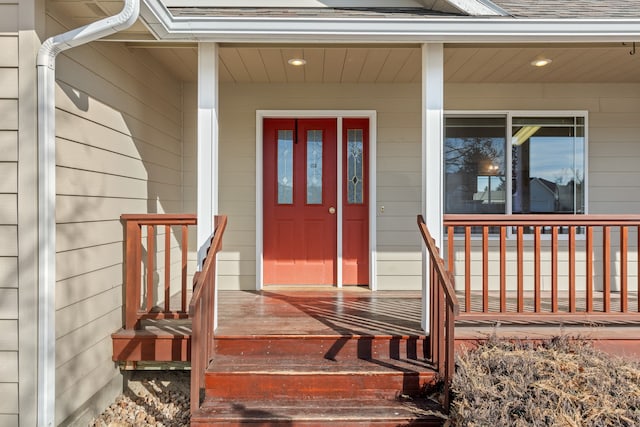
(300, 204)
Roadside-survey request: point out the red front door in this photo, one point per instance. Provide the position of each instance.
(300, 201)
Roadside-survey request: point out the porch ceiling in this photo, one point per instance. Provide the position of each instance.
(398, 63)
(402, 63)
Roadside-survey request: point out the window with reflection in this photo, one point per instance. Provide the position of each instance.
(355, 160)
(474, 163)
(543, 171)
(285, 167)
(548, 165)
(314, 167)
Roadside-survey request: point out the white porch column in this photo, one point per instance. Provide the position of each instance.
(432, 141)
(207, 144)
(207, 150)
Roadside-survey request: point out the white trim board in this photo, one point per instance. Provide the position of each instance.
(339, 115)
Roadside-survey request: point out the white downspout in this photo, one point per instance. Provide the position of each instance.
(47, 193)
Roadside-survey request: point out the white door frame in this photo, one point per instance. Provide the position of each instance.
(339, 115)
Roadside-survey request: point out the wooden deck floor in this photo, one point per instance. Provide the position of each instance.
(357, 311)
(352, 311)
(314, 311)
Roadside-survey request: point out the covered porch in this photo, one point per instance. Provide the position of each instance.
(350, 347)
(517, 274)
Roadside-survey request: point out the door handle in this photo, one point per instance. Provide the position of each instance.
(332, 210)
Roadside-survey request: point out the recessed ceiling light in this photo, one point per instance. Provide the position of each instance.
(297, 62)
(541, 62)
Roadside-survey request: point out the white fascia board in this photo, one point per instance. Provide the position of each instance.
(323, 30)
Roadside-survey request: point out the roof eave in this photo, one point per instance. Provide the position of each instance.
(352, 30)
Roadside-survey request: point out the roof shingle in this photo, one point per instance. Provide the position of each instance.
(574, 9)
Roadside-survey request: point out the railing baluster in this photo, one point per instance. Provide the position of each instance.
(450, 248)
(133, 282)
(536, 268)
(467, 269)
(606, 265)
(167, 268)
(185, 249)
(450, 352)
(433, 328)
(485, 269)
(442, 360)
(589, 272)
(624, 241)
(520, 244)
(196, 357)
(503, 269)
(151, 251)
(572, 269)
(436, 321)
(554, 269)
(211, 312)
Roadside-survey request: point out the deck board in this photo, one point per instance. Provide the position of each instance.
(319, 312)
(331, 311)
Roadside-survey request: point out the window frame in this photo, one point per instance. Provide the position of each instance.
(509, 115)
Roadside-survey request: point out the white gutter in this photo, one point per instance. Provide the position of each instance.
(306, 29)
(47, 194)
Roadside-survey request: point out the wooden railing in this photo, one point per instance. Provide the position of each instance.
(444, 309)
(548, 266)
(156, 227)
(202, 313)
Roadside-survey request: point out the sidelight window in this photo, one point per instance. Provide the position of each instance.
(285, 167)
(314, 167)
(355, 162)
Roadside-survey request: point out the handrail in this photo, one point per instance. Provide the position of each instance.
(202, 313)
(444, 310)
(459, 220)
(133, 227)
(593, 249)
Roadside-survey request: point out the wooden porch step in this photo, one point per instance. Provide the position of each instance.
(317, 413)
(294, 377)
(318, 380)
(157, 340)
(333, 347)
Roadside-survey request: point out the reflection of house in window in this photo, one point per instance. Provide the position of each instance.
(490, 190)
(543, 196)
(546, 197)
